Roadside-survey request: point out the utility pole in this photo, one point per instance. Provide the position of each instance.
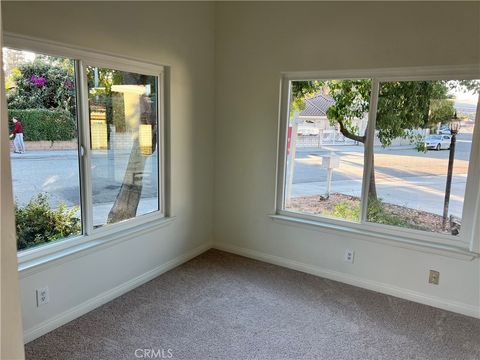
(454, 126)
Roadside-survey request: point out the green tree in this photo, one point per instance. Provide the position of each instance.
(402, 106)
(441, 111)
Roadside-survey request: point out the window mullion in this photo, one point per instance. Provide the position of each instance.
(471, 206)
(368, 149)
(282, 144)
(85, 177)
(163, 168)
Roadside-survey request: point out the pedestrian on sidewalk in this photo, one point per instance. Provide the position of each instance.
(18, 144)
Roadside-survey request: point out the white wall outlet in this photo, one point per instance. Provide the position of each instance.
(349, 255)
(43, 296)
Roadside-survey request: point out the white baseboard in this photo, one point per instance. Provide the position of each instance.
(83, 308)
(388, 289)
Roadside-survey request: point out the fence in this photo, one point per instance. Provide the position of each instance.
(310, 136)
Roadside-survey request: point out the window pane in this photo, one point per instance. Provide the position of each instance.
(415, 136)
(326, 133)
(123, 136)
(45, 163)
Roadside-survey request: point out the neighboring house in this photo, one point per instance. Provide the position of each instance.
(314, 128)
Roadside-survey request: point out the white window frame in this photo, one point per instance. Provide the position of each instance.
(467, 240)
(90, 237)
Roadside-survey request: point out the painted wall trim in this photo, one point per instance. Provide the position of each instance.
(405, 73)
(56, 48)
(106, 296)
(384, 288)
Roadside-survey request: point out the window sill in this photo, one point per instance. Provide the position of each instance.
(42, 262)
(457, 252)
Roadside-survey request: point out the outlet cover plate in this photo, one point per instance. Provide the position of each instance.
(43, 296)
(349, 256)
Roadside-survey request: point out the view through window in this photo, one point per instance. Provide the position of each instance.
(422, 127)
(122, 127)
(41, 102)
(420, 151)
(326, 157)
(123, 140)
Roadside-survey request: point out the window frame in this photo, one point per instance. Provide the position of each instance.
(85, 143)
(468, 237)
(101, 235)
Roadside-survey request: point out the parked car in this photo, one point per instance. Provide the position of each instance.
(444, 130)
(438, 142)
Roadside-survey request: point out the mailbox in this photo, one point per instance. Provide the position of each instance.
(330, 161)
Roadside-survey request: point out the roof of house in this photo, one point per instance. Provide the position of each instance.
(317, 105)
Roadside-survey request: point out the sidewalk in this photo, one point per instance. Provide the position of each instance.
(66, 154)
(48, 145)
(417, 192)
(350, 148)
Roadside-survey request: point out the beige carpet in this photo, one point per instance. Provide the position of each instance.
(223, 306)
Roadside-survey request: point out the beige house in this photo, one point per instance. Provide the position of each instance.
(314, 128)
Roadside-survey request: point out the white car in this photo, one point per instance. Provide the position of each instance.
(444, 131)
(438, 142)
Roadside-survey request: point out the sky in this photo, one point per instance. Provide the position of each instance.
(465, 98)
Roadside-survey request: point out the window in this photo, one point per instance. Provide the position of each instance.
(412, 157)
(123, 142)
(325, 158)
(87, 145)
(387, 155)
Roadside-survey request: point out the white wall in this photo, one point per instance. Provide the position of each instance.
(176, 34)
(241, 48)
(254, 43)
(11, 337)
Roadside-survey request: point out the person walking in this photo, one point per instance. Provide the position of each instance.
(18, 144)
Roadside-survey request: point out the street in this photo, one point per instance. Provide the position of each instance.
(404, 176)
(56, 173)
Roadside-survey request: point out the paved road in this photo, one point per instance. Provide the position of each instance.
(404, 176)
(57, 174)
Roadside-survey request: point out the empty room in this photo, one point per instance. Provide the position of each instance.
(240, 180)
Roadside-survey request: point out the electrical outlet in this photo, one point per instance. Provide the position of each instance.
(434, 277)
(43, 296)
(349, 255)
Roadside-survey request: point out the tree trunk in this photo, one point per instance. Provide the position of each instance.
(372, 189)
(126, 203)
(128, 197)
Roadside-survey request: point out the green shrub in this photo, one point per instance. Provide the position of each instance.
(377, 213)
(38, 223)
(346, 210)
(42, 124)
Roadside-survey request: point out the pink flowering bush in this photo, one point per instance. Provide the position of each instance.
(38, 80)
(46, 83)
